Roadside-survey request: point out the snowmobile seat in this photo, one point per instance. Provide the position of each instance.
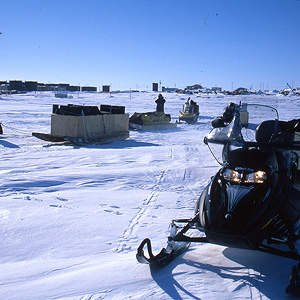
(274, 131)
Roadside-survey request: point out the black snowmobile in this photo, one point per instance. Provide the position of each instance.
(253, 201)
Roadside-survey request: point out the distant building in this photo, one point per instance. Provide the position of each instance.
(170, 90)
(105, 88)
(46, 87)
(15, 85)
(216, 89)
(63, 86)
(241, 91)
(3, 87)
(50, 86)
(31, 86)
(89, 89)
(155, 87)
(194, 87)
(74, 88)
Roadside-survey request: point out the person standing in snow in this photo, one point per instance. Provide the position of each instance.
(160, 102)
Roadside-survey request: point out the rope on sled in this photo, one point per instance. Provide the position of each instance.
(27, 133)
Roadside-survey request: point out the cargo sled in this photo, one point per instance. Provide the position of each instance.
(155, 120)
(84, 125)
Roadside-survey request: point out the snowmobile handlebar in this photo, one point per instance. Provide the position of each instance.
(275, 143)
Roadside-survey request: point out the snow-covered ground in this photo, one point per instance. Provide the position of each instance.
(72, 217)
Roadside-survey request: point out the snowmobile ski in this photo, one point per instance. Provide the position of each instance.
(164, 257)
(294, 286)
(177, 243)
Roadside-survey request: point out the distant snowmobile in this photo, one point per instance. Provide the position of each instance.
(190, 113)
(226, 117)
(253, 201)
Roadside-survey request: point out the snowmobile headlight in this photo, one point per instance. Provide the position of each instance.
(256, 177)
(232, 175)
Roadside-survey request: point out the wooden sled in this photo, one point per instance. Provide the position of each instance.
(82, 141)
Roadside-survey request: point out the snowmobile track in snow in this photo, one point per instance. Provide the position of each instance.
(149, 202)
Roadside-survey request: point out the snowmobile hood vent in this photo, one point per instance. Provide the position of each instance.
(235, 193)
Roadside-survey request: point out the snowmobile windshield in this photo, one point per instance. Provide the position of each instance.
(242, 130)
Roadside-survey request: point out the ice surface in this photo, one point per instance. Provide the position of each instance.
(72, 217)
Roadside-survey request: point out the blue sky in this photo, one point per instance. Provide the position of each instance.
(132, 43)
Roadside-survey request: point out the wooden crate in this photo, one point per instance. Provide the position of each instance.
(93, 126)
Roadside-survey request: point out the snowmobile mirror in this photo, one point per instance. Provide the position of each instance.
(297, 126)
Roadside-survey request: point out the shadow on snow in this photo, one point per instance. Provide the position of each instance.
(114, 145)
(261, 273)
(8, 144)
